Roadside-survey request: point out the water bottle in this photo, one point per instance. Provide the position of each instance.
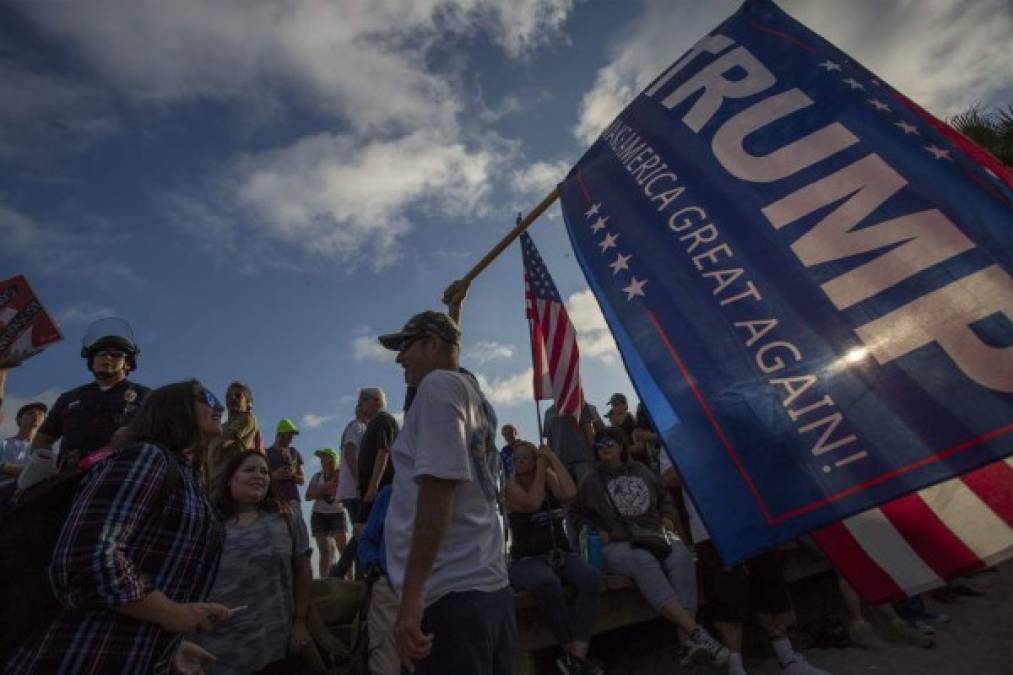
(594, 555)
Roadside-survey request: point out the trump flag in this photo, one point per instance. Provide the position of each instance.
(809, 283)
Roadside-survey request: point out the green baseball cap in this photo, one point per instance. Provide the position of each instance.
(424, 323)
(286, 426)
(330, 452)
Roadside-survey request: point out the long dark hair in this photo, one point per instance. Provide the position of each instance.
(168, 417)
(227, 504)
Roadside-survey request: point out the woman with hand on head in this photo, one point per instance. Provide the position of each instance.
(138, 550)
(264, 575)
(540, 555)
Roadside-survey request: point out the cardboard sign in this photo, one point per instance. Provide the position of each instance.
(25, 326)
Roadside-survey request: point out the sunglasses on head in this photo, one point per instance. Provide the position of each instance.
(207, 398)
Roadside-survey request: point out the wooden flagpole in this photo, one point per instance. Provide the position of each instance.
(453, 297)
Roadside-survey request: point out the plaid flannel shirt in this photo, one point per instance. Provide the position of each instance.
(121, 541)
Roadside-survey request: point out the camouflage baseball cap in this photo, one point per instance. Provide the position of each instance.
(424, 323)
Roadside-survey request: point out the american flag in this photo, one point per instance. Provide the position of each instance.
(554, 352)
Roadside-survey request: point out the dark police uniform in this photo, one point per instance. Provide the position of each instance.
(87, 417)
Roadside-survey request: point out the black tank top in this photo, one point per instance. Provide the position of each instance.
(539, 532)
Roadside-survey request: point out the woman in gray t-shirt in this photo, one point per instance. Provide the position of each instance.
(265, 567)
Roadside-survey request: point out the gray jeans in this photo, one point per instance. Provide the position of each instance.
(658, 581)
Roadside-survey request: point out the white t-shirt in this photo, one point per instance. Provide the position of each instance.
(321, 505)
(696, 527)
(13, 451)
(444, 436)
(348, 486)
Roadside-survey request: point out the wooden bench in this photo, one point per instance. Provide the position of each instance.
(622, 605)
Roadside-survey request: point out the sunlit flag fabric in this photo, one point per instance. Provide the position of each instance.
(810, 287)
(554, 352)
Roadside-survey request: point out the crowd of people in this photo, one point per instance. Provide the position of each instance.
(182, 547)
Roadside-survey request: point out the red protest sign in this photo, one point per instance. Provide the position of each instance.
(25, 326)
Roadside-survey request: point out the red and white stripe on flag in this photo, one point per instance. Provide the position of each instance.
(554, 351)
(918, 542)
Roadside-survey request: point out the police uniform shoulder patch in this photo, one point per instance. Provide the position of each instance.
(130, 396)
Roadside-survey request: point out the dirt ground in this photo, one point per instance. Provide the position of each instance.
(977, 641)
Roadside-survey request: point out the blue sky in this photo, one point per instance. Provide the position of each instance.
(261, 188)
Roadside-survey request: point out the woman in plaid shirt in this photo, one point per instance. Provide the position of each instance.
(133, 563)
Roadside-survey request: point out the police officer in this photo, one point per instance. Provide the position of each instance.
(85, 418)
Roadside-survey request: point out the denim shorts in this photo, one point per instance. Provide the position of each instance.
(326, 524)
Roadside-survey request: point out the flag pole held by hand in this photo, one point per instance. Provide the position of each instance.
(453, 297)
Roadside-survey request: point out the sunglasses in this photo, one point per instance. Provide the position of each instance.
(407, 345)
(210, 400)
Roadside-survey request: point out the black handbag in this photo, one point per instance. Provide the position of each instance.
(654, 541)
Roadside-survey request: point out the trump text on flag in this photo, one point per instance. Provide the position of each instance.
(811, 285)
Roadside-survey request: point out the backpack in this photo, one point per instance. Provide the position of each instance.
(29, 529)
(336, 620)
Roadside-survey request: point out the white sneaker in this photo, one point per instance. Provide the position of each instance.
(701, 643)
(799, 666)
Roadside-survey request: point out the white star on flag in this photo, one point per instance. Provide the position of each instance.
(938, 153)
(599, 224)
(620, 263)
(593, 210)
(635, 288)
(830, 65)
(853, 83)
(879, 105)
(608, 242)
(908, 128)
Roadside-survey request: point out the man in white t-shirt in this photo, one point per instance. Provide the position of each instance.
(442, 534)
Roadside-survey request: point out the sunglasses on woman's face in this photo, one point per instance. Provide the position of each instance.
(207, 398)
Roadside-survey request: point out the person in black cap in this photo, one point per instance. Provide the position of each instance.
(84, 419)
(619, 416)
(443, 534)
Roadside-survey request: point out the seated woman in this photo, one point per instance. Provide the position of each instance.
(138, 550)
(541, 556)
(265, 570)
(623, 498)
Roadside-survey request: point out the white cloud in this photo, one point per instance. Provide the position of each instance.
(365, 60)
(332, 197)
(508, 391)
(14, 401)
(409, 136)
(593, 335)
(83, 312)
(313, 421)
(366, 347)
(483, 352)
(538, 179)
(944, 54)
